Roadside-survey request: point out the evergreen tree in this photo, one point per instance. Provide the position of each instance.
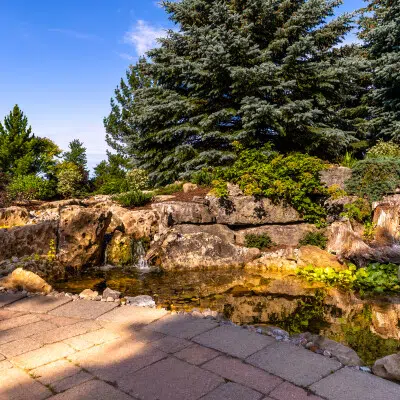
(253, 71)
(76, 154)
(381, 31)
(21, 152)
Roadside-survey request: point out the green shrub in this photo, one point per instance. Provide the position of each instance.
(384, 149)
(30, 187)
(335, 192)
(314, 239)
(374, 279)
(374, 178)
(113, 185)
(138, 179)
(348, 160)
(170, 189)
(134, 198)
(71, 180)
(359, 211)
(294, 179)
(203, 177)
(262, 241)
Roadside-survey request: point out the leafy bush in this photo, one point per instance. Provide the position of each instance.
(348, 160)
(30, 187)
(170, 189)
(113, 185)
(359, 211)
(369, 231)
(134, 198)
(314, 239)
(374, 178)
(262, 241)
(335, 192)
(375, 278)
(384, 149)
(71, 179)
(137, 179)
(294, 179)
(203, 177)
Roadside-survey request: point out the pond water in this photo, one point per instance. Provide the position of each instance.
(254, 298)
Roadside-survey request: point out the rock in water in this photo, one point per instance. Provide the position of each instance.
(141, 301)
(88, 294)
(26, 280)
(114, 294)
(388, 367)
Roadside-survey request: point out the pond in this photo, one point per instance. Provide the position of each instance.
(255, 298)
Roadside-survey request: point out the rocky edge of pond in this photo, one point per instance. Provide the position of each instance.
(204, 232)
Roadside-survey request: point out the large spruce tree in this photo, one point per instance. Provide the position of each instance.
(381, 31)
(252, 71)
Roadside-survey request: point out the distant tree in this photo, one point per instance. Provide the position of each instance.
(76, 154)
(21, 152)
(381, 32)
(253, 71)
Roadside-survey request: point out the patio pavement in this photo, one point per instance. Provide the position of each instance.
(53, 348)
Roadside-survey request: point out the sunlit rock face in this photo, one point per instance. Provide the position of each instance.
(26, 280)
(13, 216)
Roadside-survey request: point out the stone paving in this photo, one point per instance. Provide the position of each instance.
(53, 348)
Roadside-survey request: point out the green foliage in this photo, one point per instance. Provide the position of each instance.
(374, 279)
(134, 198)
(384, 149)
(254, 71)
(110, 175)
(369, 231)
(262, 241)
(204, 177)
(381, 32)
(52, 253)
(294, 179)
(169, 189)
(348, 160)
(30, 187)
(314, 239)
(71, 180)
(21, 152)
(76, 154)
(374, 178)
(359, 211)
(138, 179)
(335, 192)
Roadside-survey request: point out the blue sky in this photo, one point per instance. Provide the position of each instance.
(62, 59)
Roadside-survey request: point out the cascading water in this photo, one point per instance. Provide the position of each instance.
(140, 254)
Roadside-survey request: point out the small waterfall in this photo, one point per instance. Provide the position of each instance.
(140, 257)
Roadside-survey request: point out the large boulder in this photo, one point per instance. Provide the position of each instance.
(335, 207)
(238, 209)
(281, 235)
(179, 212)
(27, 240)
(13, 216)
(135, 223)
(387, 221)
(202, 249)
(335, 175)
(388, 367)
(314, 256)
(81, 235)
(26, 280)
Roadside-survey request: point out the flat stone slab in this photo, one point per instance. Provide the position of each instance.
(237, 371)
(18, 385)
(170, 379)
(287, 391)
(39, 304)
(348, 384)
(295, 364)
(84, 309)
(25, 331)
(232, 391)
(234, 340)
(8, 298)
(92, 390)
(196, 354)
(182, 326)
(132, 316)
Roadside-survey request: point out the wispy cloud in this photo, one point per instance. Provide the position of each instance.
(143, 36)
(75, 34)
